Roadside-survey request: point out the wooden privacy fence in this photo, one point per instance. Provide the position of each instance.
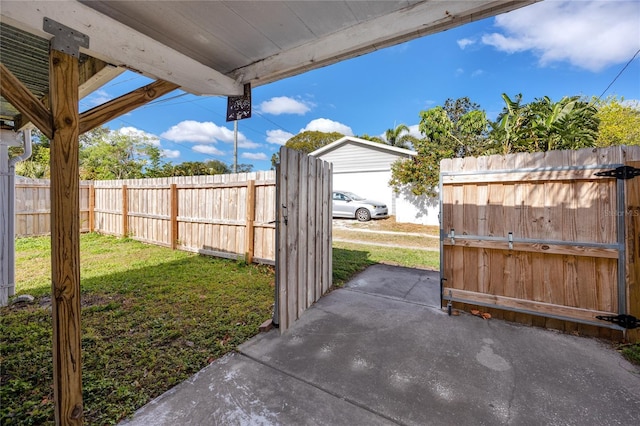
(542, 238)
(230, 216)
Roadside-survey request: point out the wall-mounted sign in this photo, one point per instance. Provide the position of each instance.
(239, 107)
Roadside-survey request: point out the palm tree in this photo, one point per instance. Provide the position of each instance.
(395, 137)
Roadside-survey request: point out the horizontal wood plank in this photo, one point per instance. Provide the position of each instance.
(524, 176)
(530, 306)
(550, 248)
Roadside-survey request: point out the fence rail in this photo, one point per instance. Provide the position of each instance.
(228, 216)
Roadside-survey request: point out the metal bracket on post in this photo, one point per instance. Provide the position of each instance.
(452, 235)
(510, 240)
(622, 172)
(65, 39)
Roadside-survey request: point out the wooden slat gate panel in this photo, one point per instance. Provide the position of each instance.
(303, 233)
(539, 237)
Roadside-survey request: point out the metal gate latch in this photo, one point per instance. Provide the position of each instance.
(625, 321)
(622, 172)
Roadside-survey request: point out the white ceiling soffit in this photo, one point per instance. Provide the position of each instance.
(214, 47)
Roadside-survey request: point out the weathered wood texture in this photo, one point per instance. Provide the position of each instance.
(304, 256)
(204, 214)
(65, 232)
(561, 268)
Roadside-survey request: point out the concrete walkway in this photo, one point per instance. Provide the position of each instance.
(380, 352)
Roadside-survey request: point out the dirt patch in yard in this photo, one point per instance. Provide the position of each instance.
(386, 232)
(388, 224)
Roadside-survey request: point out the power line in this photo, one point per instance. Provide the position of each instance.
(619, 74)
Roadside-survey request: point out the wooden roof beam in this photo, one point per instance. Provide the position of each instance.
(24, 101)
(108, 111)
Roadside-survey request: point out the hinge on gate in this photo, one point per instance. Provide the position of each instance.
(625, 321)
(622, 172)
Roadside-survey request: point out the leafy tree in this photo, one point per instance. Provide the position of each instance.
(456, 129)
(619, 123)
(507, 129)
(199, 168)
(38, 165)
(244, 168)
(105, 154)
(309, 141)
(376, 139)
(544, 125)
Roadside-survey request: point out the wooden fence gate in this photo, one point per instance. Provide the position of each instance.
(543, 238)
(303, 234)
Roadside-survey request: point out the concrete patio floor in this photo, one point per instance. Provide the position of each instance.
(380, 351)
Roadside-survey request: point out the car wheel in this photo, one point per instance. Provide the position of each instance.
(363, 215)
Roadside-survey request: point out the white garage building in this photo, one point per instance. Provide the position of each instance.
(364, 167)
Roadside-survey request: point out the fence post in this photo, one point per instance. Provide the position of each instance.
(174, 216)
(125, 212)
(632, 240)
(92, 207)
(251, 214)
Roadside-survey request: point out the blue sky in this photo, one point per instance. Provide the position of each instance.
(554, 48)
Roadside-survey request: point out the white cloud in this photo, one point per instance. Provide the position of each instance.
(141, 134)
(588, 34)
(254, 155)
(278, 136)
(327, 126)
(284, 105)
(207, 149)
(464, 42)
(459, 71)
(97, 98)
(199, 132)
(477, 73)
(414, 131)
(170, 153)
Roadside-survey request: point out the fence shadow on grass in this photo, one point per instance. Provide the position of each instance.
(347, 263)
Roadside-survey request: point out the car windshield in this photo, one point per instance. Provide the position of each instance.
(353, 196)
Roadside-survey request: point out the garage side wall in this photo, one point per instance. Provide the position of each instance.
(538, 238)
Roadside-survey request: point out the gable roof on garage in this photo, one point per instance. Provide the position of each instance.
(352, 154)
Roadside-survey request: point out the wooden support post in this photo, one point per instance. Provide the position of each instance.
(174, 216)
(251, 215)
(65, 239)
(125, 212)
(92, 208)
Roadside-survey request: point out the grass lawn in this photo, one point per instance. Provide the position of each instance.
(151, 318)
(350, 258)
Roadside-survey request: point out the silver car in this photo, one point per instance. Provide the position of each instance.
(348, 204)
